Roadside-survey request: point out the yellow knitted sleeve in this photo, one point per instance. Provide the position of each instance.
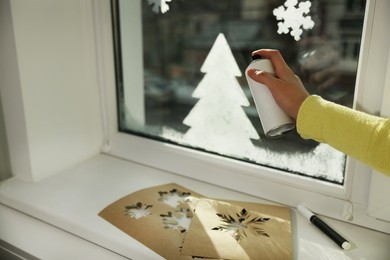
(359, 135)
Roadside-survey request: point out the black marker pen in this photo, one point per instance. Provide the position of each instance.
(327, 230)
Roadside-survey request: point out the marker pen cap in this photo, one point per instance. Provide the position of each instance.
(305, 212)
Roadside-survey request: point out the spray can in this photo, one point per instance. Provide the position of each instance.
(274, 120)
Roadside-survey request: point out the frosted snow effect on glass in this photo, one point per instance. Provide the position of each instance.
(218, 117)
(323, 161)
(159, 5)
(294, 18)
(219, 124)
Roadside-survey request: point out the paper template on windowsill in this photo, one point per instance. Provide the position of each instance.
(223, 230)
(157, 217)
(160, 217)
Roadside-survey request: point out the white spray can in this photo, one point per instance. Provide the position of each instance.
(274, 120)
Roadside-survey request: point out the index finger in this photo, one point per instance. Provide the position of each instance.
(282, 70)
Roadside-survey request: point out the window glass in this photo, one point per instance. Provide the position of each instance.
(194, 91)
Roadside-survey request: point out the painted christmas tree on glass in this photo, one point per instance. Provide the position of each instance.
(218, 122)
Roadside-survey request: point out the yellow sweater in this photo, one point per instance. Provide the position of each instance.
(359, 135)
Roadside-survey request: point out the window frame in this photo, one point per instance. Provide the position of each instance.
(378, 205)
(348, 202)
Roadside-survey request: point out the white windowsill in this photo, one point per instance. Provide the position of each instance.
(72, 199)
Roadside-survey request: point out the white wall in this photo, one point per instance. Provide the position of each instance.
(50, 96)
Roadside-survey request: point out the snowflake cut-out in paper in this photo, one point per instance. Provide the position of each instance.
(138, 210)
(242, 224)
(179, 220)
(174, 197)
(294, 17)
(159, 5)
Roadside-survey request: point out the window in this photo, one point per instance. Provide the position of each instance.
(163, 82)
(188, 101)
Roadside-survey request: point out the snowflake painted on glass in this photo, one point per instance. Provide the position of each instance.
(179, 220)
(138, 210)
(174, 197)
(294, 18)
(159, 5)
(242, 224)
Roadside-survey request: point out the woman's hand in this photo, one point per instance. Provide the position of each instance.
(286, 88)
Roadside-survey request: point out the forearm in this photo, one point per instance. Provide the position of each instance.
(359, 135)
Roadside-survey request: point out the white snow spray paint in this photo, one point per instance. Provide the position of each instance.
(294, 17)
(159, 5)
(218, 120)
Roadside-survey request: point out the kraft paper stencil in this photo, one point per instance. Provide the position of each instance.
(157, 217)
(178, 223)
(241, 231)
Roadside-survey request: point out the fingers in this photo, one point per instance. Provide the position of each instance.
(267, 79)
(282, 70)
(262, 77)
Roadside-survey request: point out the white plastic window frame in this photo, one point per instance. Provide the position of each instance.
(349, 202)
(379, 203)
